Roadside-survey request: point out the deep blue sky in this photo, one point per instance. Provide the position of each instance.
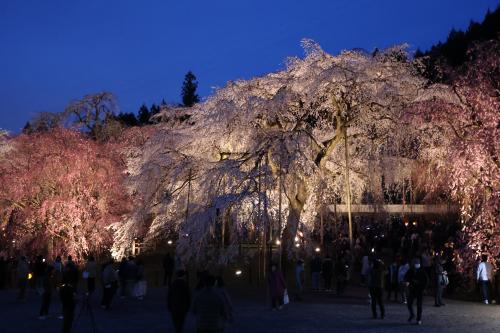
(53, 51)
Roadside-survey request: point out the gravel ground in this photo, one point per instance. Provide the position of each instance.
(318, 313)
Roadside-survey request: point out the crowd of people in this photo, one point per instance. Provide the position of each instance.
(399, 264)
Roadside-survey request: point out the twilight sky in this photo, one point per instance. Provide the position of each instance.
(54, 51)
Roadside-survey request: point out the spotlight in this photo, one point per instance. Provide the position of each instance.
(278, 242)
(297, 245)
(169, 242)
(317, 249)
(238, 272)
(296, 238)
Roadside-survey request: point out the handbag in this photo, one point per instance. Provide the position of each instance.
(286, 299)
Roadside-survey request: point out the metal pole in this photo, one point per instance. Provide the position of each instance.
(348, 188)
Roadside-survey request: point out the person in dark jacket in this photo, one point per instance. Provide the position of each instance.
(327, 269)
(70, 272)
(417, 280)
(168, 269)
(392, 284)
(109, 283)
(179, 300)
(67, 294)
(122, 273)
(209, 308)
(48, 286)
(277, 287)
(375, 280)
(440, 280)
(316, 273)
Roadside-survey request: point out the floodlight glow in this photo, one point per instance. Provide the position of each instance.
(238, 272)
(30, 276)
(297, 245)
(169, 242)
(296, 238)
(317, 249)
(278, 242)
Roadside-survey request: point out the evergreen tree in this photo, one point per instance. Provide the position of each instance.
(189, 95)
(128, 119)
(143, 116)
(154, 110)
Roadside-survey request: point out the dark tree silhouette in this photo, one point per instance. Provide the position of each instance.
(144, 115)
(128, 119)
(189, 95)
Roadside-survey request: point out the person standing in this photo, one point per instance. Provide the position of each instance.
(110, 284)
(220, 287)
(403, 269)
(277, 287)
(23, 270)
(70, 273)
(327, 269)
(122, 273)
(39, 273)
(484, 276)
(392, 280)
(417, 280)
(168, 269)
(299, 278)
(209, 309)
(58, 271)
(48, 286)
(375, 281)
(67, 294)
(3, 272)
(90, 273)
(179, 300)
(440, 280)
(316, 273)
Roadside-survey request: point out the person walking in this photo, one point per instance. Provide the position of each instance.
(417, 280)
(277, 287)
(327, 270)
(441, 278)
(110, 284)
(168, 269)
(209, 308)
(48, 286)
(484, 276)
(22, 276)
(220, 287)
(179, 300)
(375, 281)
(90, 274)
(316, 273)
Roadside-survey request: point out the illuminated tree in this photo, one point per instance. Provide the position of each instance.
(60, 191)
(462, 149)
(264, 155)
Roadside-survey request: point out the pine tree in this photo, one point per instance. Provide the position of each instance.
(143, 116)
(189, 95)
